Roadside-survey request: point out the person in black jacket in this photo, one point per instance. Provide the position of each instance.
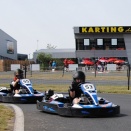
(74, 90)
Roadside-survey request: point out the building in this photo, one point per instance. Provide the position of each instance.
(94, 42)
(56, 53)
(22, 56)
(110, 41)
(8, 46)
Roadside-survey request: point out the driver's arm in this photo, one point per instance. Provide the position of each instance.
(14, 83)
(72, 91)
(72, 94)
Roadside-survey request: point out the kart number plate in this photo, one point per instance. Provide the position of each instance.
(26, 81)
(89, 87)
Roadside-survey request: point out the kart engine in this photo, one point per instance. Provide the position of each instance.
(48, 94)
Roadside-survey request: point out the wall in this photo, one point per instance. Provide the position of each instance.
(6, 64)
(127, 38)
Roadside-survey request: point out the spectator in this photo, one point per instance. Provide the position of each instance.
(66, 64)
(53, 65)
(50, 64)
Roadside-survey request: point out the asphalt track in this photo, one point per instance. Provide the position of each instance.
(35, 120)
(28, 118)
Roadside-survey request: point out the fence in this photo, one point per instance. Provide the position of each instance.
(5, 65)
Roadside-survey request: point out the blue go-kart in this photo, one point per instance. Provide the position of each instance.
(90, 105)
(26, 93)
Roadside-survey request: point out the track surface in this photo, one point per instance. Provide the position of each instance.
(36, 120)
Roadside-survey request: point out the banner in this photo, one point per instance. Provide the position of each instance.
(104, 29)
(10, 47)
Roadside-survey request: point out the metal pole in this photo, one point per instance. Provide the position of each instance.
(37, 44)
(128, 76)
(25, 70)
(31, 69)
(127, 71)
(95, 69)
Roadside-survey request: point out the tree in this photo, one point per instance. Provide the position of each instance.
(44, 59)
(49, 46)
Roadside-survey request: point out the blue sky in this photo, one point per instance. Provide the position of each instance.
(36, 23)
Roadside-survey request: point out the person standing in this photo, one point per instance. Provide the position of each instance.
(50, 64)
(54, 65)
(66, 64)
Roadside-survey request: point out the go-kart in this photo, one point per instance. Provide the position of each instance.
(26, 93)
(90, 105)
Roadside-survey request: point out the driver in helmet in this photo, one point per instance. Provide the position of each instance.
(74, 91)
(18, 74)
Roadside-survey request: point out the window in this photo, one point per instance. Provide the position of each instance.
(107, 44)
(93, 44)
(86, 42)
(120, 44)
(99, 41)
(100, 44)
(113, 41)
(79, 44)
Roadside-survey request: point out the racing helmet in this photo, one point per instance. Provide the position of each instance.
(19, 73)
(79, 75)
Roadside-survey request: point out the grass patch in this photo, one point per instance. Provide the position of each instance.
(6, 116)
(56, 88)
(111, 76)
(65, 87)
(113, 89)
(100, 89)
(68, 76)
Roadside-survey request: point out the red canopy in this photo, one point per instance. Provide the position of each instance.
(111, 60)
(70, 62)
(66, 62)
(119, 62)
(88, 62)
(103, 60)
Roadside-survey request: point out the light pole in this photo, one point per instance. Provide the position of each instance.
(29, 57)
(30, 66)
(37, 44)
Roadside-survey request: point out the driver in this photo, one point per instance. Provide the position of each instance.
(74, 91)
(18, 74)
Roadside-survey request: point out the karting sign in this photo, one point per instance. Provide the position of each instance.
(88, 86)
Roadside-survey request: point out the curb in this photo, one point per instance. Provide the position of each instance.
(19, 117)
